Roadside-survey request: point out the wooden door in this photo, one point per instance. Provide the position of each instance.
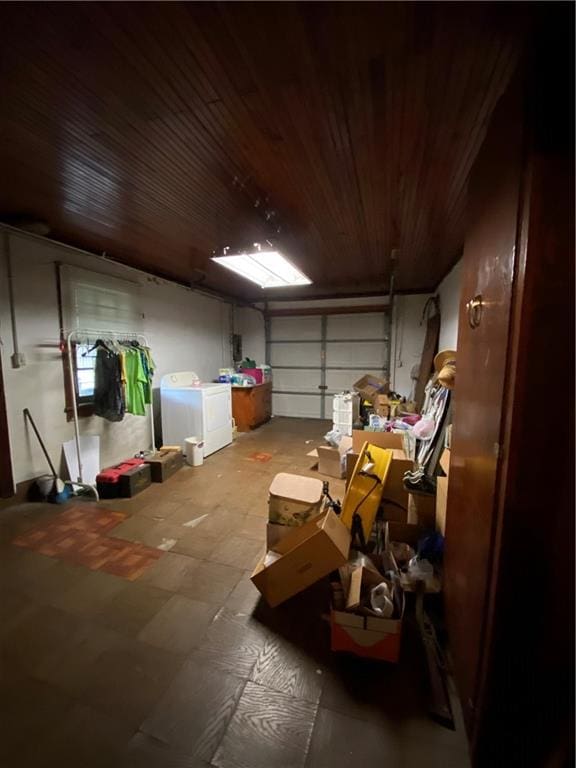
(488, 272)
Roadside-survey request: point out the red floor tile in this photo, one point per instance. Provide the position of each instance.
(78, 535)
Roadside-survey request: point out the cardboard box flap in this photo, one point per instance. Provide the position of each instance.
(354, 590)
(379, 439)
(377, 624)
(445, 460)
(346, 619)
(368, 386)
(307, 490)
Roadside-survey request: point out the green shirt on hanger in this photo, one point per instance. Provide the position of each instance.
(135, 382)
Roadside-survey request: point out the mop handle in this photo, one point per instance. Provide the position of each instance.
(28, 415)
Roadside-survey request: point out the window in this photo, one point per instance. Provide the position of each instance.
(94, 303)
(85, 362)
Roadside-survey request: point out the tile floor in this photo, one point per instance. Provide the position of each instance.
(185, 666)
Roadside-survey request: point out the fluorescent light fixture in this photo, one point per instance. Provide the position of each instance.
(268, 269)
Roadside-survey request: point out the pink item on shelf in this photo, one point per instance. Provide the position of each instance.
(256, 374)
(424, 429)
(413, 419)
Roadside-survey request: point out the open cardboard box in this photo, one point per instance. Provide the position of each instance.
(368, 636)
(332, 461)
(301, 558)
(369, 386)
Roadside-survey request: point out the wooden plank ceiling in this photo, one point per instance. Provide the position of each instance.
(159, 132)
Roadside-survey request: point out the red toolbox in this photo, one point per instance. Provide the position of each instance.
(108, 481)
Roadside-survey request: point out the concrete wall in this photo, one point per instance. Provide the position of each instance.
(449, 291)
(407, 340)
(250, 324)
(186, 331)
(408, 335)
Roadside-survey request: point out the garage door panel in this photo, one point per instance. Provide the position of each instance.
(338, 381)
(296, 381)
(303, 355)
(353, 345)
(302, 328)
(354, 354)
(305, 406)
(370, 326)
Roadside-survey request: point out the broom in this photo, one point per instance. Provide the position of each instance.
(58, 493)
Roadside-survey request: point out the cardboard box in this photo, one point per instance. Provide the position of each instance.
(441, 504)
(422, 510)
(381, 405)
(445, 461)
(369, 386)
(368, 636)
(332, 461)
(294, 499)
(351, 459)
(301, 558)
(380, 439)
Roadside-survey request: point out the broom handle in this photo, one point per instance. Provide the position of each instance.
(28, 415)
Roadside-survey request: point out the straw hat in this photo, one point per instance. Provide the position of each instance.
(445, 367)
(446, 357)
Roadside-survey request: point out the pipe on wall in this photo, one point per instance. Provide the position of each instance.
(17, 358)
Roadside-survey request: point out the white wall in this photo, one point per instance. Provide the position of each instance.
(186, 331)
(408, 335)
(407, 340)
(449, 291)
(250, 324)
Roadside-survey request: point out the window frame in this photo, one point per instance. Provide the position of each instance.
(84, 404)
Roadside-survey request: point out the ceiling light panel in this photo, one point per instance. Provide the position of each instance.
(268, 269)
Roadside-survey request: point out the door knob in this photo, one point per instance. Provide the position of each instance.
(474, 309)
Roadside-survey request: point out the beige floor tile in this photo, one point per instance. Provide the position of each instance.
(211, 582)
(169, 571)
(239, 552)
(179, 625)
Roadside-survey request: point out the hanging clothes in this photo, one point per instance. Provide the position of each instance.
(149, 366)
(108, 389)
(123, 379)
(136, 380)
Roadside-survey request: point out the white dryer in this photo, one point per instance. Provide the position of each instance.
(192, 409)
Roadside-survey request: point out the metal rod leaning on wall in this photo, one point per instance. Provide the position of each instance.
(97, 332)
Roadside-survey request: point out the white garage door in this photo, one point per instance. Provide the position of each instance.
(313, 357)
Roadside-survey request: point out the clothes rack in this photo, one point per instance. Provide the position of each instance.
(88, 334)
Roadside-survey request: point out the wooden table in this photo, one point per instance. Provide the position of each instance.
(251, 406)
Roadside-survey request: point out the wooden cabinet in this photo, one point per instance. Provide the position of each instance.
(251, 406)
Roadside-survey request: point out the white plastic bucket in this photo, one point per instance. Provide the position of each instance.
(194, 451)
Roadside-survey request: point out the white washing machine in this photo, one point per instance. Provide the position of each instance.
(191, 409)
